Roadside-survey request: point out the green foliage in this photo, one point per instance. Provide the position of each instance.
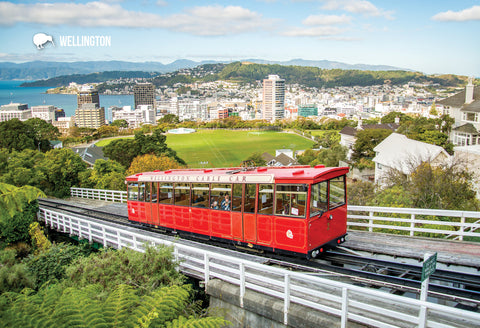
(61, 168)
(14, 229)
(360, 193)
(120, 123)
(15, 135)
(13, 276)
(327, 139)
(13, 199)
(109, 268)
(125, 150)
(326, 156)
(43, 132)
(55, 306)
(50, 265)
(20, 168)
(256, 158)
(366, 141)
(106, 174)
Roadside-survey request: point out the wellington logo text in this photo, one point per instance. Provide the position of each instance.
(85, 41)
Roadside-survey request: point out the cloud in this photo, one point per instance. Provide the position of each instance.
(320, 31)
(459, 16)
(326, 20)
(357, 7)
(207, 20)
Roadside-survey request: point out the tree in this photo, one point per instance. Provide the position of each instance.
(125, 150)
(360, 193)
(13, 199)
(61, 168)
(327, 139)
(43, 132)
(15, 229)
(148, 163)
(257, 159)
(106, 174)
(366, 141)
(447, 187)
(15, 135)
(20, 168)
(120, 123)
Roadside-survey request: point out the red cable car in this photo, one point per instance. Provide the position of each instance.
(299, 209)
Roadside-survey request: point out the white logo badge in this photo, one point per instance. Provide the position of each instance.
(40, 39)
(289, 234)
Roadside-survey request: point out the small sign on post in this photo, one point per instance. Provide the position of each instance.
(429, 265)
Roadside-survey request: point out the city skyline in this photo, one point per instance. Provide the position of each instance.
(427, 36)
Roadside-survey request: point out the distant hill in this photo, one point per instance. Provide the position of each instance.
(38, 70)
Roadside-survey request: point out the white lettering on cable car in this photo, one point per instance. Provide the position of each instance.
(207, 178)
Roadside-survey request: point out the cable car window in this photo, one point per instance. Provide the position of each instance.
(265, 199)
(319, 198)
(148, 187)
(166, 193)
(337, 192)
(291, 200)
(220, 196)
(154, 192)
(182, 194)
(250, 196)
(200, 194)
(132, 191)
(141, 192)
(237, 197)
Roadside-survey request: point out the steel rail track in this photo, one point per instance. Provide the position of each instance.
(338, 260)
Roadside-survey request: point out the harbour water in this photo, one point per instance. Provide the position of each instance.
(11, 92)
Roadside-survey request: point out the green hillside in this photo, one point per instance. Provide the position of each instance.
(224, 148)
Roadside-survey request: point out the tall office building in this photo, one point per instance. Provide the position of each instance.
(87, 95)
(273, 98)
(89, 114)
(144, 94)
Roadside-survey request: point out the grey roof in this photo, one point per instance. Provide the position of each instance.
(458, 99)
(474, 106)
(90, 154)
(348, 130)
(466, 128)
(285, 160)
(267, 157)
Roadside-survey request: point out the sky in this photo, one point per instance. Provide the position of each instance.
(433, 37)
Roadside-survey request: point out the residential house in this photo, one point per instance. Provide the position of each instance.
(464, 107)
(282, 159)
(469, 157)
(90, 154)
(397, 152)
(348, 135)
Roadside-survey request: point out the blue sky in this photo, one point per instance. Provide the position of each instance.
(429, 36)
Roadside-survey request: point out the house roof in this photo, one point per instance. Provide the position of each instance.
(399, 152)
(458, 99)
(267, 157)
(348, 130)
(474, 106)
(466, 128)
(90, 154)
(285, 160)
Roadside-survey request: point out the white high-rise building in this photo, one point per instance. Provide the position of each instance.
(45, 112)
(273, 98)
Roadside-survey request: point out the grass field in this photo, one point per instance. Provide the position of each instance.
(224, 148)
(320, 133)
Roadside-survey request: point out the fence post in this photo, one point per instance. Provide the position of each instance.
(412, 225)
(242, 283)
(462, 228)
(370, 222)
(206, 260)
(286, 304)
(344, 320)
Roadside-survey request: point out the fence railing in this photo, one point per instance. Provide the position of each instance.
(407, 221)
(415, 221)
(100, 194)
(343, 301)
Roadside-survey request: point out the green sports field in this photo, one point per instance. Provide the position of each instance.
(224, 148)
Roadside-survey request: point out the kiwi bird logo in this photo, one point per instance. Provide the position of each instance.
(40, 39)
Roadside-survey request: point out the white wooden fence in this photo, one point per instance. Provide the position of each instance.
(409, 221)
(346, 302)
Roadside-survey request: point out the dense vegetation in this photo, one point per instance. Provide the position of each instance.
(245, 72)
(88, 78)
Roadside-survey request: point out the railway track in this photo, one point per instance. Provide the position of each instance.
(460, 288)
